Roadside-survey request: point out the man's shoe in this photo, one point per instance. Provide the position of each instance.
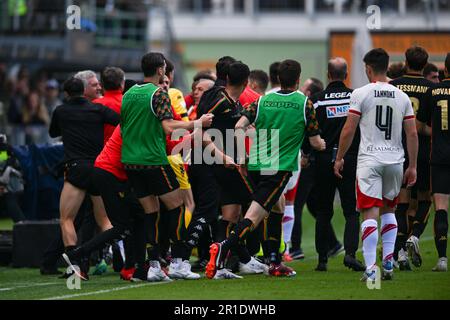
(215, 251)
(225, 274)
(403, 261)
(369, 275)
(127, 274)
(253, 267)
(182, 270)
(75, 268)
(155, 273)
(388, 270)
(354, 264)
(338, 248)
(140, 274)
(321, 266)
(441, 265)
(100, 268)
(281, 270)
(412, 244)
(297, 254)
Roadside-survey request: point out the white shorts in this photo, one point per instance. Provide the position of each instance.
(375, 184)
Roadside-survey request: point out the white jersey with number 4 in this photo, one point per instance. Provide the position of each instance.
(382, 108)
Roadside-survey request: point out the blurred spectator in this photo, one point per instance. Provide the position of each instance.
(35, 119)
(51, 99)
(20, 91)
(11, 184)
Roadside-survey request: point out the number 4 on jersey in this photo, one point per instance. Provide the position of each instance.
(385, 125)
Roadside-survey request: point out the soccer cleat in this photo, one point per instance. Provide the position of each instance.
(215, 251)
(388, 270)
(354, 264)
(100, 268)
(140, 274)
(413, 250)
(322, 266)
(441, 265)
(281, 270)
(253, 267)
(297, 254)
(182, 270)
(369, 275)
(338, 248)
(155, 273)
(75, 269)
(127, 274)
(403, 262)
(225, 274)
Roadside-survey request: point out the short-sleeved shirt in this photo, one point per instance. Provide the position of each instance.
(382, 108)
(435, 114)
(178, 103)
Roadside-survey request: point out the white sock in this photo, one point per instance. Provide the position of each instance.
(388, 234)
(288, 223)
(369, 230)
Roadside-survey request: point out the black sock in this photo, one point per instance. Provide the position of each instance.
(253, 241)
(195, 231)
(239, 233)
(151, 221)
(128, 244)
(177, 232)
(421, 218)
(274, 227)
(402, 225)
(441, 230)
(410, 224)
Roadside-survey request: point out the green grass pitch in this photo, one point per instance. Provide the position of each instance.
(337, 283)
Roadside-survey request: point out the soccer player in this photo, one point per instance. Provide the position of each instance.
(289, 115)
(176, 96)
(332, 106)
(146, 119)
(381, 110)
(273, 76)
(435, 114)
(431, 72)
(80, 123)
(415, 86)
(214, 182)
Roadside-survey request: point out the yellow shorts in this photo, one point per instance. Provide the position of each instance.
(176, 162)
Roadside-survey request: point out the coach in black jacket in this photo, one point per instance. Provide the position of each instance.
(332, 106)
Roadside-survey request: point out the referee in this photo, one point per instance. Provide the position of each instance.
(331, 108)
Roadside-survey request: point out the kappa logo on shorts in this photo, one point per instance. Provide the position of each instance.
(337, 112)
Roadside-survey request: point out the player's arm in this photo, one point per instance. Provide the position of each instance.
(248, 116)
(312, 128)
(163, 111)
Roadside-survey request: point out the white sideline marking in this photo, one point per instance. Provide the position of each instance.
(30, 286)
(69, 296)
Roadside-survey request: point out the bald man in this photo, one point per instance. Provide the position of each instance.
(332, 106)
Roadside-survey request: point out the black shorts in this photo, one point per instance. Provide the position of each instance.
(423, 176)
(235, 187)
(269, 188)
(113, 193)
(79, 173)
(440, 179)
(155, 181)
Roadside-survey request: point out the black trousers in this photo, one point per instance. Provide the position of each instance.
(326, 184)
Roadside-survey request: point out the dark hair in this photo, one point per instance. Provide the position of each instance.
(222, 67)
(169, 67)
(316, 86)
(289, 73)
(74, 87)
(112, 78)
(416, 57)
(337, 71)
(273, 72)
(151, 62)
(429, 68)
(377, 59)
(203, 75)
(128, 84)
(260, 77)
(396, 70)
(447, 62)
(238, 73)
